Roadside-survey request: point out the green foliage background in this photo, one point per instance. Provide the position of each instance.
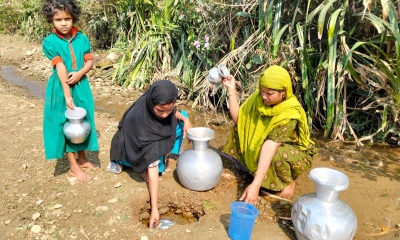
(343, 55)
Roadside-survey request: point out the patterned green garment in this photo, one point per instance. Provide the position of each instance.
(72, 53)
(289, 161)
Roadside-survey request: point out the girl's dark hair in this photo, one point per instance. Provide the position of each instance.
(69, 6)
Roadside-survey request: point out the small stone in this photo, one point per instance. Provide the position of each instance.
(188, 230)
(57, 206)
(144, 215)
(36, 229)
(178, 211)
(78, 211)
(119, 184)
(39, 202)
(73, 180)
(101, 209)
(163, 210)
(144, 238)
(114, 200)
(187, 215)
(7, 222)
(35, 216)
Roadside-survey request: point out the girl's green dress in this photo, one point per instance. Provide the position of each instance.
(72, 54)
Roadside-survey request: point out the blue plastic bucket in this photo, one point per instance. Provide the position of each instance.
(242, 220)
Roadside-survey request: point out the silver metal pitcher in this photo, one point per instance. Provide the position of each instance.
(322, 215)
(76, 129)
(199, 168)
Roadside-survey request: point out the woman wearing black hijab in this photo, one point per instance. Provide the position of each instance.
(147, 133)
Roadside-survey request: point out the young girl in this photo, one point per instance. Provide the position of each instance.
(149, 130)
(69, 52)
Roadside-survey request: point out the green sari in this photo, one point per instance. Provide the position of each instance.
(284, 123)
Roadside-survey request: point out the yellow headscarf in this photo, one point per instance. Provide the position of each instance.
(256, 119)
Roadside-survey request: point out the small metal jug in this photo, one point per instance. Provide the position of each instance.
(215, 75)
(76, 129)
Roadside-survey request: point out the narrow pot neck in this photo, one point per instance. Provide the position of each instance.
(76, 121)
(200, 145)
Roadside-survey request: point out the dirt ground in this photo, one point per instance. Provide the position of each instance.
(39, 200)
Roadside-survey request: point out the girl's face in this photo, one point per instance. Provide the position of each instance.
(272, 97)
(162, 111)
(63, 22)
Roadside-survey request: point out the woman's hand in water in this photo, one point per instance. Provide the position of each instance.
(154, 218)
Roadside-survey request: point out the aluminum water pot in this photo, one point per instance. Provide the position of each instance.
(76, 129)
(322, 215)
(199, 168)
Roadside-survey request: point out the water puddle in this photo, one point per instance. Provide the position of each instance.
(9, 74)
(179, 215)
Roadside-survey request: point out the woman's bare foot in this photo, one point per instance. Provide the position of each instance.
(79, 174)
(288, 191)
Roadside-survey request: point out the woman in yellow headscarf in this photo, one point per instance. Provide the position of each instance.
(271, 139)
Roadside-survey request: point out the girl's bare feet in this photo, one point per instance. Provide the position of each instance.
(84, 163)
(79, 174)
(288, 191)
(87, 164)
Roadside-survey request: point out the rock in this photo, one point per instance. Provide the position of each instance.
(114, 200)
(36, 229)
(163, 210)
(35, 216)
(101, 209)
(118, 185)
(113, 57)
(24, 67)
(39, 202)
(105, 64)
(7, 222)
(187, 215)
(57, 206)
(144, 238)
(178, 211)
(144, 215)
(73, 180)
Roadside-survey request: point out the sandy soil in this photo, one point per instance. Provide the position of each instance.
(41, 201)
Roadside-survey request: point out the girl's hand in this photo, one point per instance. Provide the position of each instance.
(229, 82)
(73, 78)
(250, 195)
(70, 102)
(186, 126)
(154, 218)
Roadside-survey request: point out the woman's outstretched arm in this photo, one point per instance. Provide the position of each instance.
(230, 84)
(268, 151)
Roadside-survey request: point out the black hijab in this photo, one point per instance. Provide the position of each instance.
(142, 136)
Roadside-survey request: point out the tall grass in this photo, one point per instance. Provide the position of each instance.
(343, 55)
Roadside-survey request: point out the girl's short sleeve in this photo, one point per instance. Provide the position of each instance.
(51, 52)
(86, 49)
